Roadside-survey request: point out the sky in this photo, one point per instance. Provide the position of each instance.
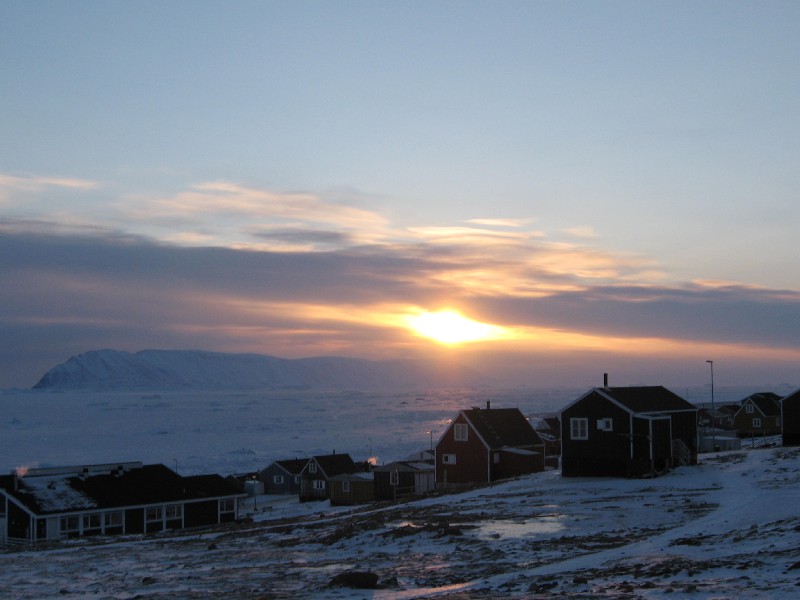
(545, 190)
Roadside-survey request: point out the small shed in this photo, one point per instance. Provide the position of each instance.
(404, 478)
(351, 488)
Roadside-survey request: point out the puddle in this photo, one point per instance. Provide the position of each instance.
(494, 530)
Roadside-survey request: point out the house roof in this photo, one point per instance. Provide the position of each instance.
(502, 427)
(293, 466)
(405, 466)
(60, 492)
(793, 396)
(766, 402)
(335, 464)
(646, 399)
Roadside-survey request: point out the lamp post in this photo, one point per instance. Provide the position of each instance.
(431, 432)
(713, 433)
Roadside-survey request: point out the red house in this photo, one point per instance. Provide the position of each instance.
(484, 445)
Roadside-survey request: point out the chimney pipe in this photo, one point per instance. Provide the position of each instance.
(488, 404)
(605, 380)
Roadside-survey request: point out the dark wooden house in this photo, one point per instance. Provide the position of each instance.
(318, 471)
(120, 498)
(283, 476)
(790, 418)
(402, 479)
(627, 431)
(351, 488)
(484, 445)
(759, 415)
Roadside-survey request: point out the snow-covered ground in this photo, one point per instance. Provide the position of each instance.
(727, 528)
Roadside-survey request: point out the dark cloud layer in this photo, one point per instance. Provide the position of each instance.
(65, 294)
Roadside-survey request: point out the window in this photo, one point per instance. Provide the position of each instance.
(112, 522)
(277, 479)
(70, 526)
(154, 513)
(605, 425)
(312, 467)
(579, 429)
(227, 505)
(748, 409)
(319, 484)
(174, 511)
(756, 422)
(346, 487)
(297, 479)
(496, 457)
(394, 478)
(449, 459)
(461, 432)
(91, 523)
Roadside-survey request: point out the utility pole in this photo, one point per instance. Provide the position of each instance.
(713, 429)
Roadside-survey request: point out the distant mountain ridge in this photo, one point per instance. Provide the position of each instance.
(105, 370)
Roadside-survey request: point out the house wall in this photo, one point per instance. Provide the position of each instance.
(514, 464)
(604, 453)
(289, 486)
(791, 421)
(743, 421)
(359, 492)
(471, 464)
(684, 428)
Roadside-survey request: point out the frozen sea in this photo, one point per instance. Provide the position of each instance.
(240, 432)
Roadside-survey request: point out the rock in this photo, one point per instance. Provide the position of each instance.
(361, 580)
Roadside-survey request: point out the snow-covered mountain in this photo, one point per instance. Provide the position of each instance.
(101, 370)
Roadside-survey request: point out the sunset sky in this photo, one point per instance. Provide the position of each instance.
(597, 186)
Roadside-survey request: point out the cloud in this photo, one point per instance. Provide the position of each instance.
(225, 267)
(38, 183)
(232, 213)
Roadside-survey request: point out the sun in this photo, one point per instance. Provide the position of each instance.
(450, 327)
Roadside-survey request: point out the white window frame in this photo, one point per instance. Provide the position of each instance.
(749, 409)
(319, 484)
(312, 467)
(93, 521)
(70, 524)
(579, 428)
(605, 424)
(227, 505)
(277, 479)
(173, 512)
(461, 432)
(112, 519)
(756, 421)
(394, 477)
(154, 514)
(345, 487)
(448, 459)
(496, 458)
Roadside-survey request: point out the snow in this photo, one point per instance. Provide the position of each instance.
(727, 528)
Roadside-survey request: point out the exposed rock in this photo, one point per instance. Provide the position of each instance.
(361, 580)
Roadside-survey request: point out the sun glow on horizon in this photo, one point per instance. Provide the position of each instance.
(450, 327)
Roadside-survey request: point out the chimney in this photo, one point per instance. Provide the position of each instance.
(488, 404)
(605, 380)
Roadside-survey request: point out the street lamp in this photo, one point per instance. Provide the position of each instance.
(431, 432)
(713, 433)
